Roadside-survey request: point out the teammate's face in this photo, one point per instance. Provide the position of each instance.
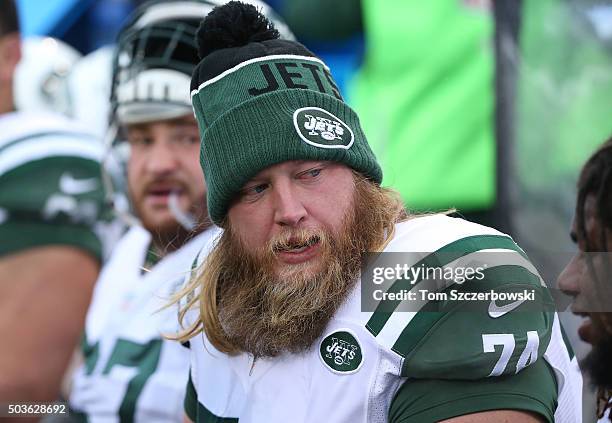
(10, 54)
(291, 202)
(164, 160)
(586, 277)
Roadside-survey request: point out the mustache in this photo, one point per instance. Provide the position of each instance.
(170, 183)
(295, 238)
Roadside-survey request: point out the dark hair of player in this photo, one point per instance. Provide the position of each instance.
(9, 21)
(596, 178)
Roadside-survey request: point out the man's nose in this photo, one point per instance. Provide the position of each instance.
(289, 209)
(162, 158)
(569, 279)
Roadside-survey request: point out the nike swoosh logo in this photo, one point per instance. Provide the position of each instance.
(496, 311)
(69, 185)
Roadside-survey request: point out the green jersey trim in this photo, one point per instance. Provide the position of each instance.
(151, 259)
(191, 400)
(91, 353)
(197, 412)
(452, 251)
(534, 389)
(27, 234)
(206, 416)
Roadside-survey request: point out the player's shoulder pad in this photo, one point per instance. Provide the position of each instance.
(29, 137)
(456, 329)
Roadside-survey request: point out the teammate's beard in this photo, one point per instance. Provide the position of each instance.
(598, 366)
(598, 363)
(266, 312)
(171, 235)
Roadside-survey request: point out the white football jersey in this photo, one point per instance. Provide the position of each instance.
(51, 189)
(419, 366)
(131, 373)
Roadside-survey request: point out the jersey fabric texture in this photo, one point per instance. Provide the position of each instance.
(132, 374)
(50, 185)
(421, 366)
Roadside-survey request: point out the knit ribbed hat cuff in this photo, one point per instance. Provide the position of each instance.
(276, 127)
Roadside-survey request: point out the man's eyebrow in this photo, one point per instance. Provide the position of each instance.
(137, 127)
(255, 181)
(185, 124)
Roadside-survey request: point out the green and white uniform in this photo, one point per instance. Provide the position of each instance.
(130, 373)
(405, 366)
(50, 186)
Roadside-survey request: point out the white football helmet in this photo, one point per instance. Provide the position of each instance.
(40, 81)
(154, 58)
(89, 85)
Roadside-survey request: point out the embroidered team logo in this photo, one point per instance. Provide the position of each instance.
(320, 128)
(341, 353)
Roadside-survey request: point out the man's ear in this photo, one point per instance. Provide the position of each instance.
(10, 55)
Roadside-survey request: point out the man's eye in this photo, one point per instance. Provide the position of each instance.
(311, 173)
(574, 237)
(139, 141)
(258, 189)
(253, 192)
(187, 140)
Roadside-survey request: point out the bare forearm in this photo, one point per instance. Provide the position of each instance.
(44, 295)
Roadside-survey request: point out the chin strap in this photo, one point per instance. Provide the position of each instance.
(185, 219)
(111, 166)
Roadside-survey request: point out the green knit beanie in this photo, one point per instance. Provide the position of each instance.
(260, 101)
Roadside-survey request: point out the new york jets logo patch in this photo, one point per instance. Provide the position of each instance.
(318, 127)
(341, 353)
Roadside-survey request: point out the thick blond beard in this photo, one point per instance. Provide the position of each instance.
(247, 306)
(266, 313)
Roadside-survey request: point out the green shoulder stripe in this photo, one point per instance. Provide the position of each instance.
(416, 331)
(450, 252)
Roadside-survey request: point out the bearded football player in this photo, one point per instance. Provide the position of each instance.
(131, 373)
(273, 313)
